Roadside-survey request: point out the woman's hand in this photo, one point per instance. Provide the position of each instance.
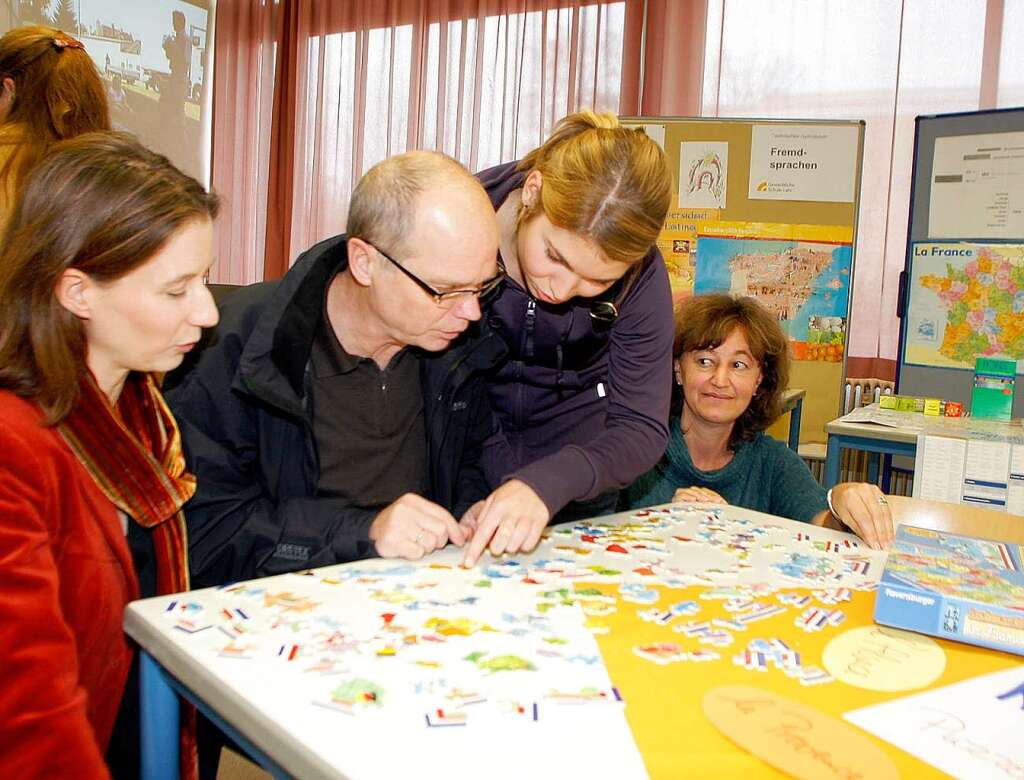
(468, 521)
(510, 521)
(863, 509)
(697, 495)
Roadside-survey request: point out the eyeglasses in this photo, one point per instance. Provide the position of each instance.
(451, 297)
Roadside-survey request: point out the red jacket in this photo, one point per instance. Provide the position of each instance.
(66, 574)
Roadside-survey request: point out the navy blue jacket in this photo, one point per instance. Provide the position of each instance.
(582, 405)
(245, 412)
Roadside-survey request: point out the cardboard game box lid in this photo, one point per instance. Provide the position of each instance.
(955, 587)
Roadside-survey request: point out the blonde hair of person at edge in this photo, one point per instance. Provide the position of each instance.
(581, 403)
(732, 365)
(50, 91)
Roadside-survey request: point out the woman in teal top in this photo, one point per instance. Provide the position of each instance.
(731, 366)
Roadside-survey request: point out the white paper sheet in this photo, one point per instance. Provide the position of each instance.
(703, 174)
(803, 162)
(655, 132)
(977, 188)
(1015, 484)
(985, 470)
(971, 729)
(939, 468)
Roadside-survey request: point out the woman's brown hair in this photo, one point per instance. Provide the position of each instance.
(58, 94)
(606, 183)
(101, 203)
(705, 321)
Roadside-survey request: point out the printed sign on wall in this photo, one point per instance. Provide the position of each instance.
(803, 162)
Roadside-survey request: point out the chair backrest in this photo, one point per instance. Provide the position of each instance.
(957, 518)
(221, 291)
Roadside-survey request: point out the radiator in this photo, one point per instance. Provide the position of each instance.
(861, 392)
(854, 464)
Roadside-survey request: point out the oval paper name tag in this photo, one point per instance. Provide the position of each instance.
(794, 738)
(878, 658)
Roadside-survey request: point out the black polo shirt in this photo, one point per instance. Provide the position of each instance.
(368, 424)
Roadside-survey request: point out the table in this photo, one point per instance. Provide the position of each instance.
(663, 700)
(793, 402)
(957, 518)
(868, 437)
(886, 440)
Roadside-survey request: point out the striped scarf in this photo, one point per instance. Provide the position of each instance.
(134, 455)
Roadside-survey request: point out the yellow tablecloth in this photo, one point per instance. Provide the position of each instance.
(663, 702)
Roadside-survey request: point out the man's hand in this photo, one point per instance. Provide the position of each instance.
(697, 495)
(864, 509)
(511, 520)
(411, 527)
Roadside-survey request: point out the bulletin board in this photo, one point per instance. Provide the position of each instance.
(768, 208)
(962, 287)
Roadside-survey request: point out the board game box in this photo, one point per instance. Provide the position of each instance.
(992, 395)
(954, 587)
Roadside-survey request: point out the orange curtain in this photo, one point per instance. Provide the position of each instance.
(663, 58)
(246, 36)
(310, 94)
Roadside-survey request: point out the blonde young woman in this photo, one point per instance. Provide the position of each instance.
(581, 403)
(50, 90)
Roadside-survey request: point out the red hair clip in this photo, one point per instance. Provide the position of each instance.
(62, 41)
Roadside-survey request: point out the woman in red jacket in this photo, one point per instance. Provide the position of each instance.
(101, 288)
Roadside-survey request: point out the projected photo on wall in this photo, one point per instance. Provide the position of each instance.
(153, 56)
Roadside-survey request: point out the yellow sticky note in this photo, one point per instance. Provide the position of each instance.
(932, 407)
(888, 402)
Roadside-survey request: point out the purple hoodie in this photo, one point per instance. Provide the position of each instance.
(582, 405)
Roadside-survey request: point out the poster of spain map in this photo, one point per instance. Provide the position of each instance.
(966, 301)
(801, 273)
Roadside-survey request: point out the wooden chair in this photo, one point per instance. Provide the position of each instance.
(957, 518)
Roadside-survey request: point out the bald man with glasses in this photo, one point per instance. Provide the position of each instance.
(341, 410)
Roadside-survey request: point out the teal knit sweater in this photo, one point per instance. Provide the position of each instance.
(764, 475)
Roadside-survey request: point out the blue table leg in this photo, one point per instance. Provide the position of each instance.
(160, 703)
(794, 425)
(159, 722)
(873, 468)
(832, 462)
(838, 442)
